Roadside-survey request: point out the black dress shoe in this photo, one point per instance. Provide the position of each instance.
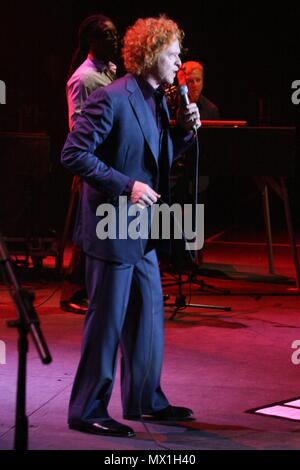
(107, 427)
(74, 307)
(170, 413)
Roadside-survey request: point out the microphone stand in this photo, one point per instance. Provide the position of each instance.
(27, 322)
(180, 301)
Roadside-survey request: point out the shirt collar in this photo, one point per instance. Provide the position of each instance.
(148, 90)
(102, 66)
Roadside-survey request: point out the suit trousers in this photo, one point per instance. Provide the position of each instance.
(126, 311)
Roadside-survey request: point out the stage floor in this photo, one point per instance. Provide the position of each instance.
(223, 365)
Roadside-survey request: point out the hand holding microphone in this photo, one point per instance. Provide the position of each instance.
(188, 114)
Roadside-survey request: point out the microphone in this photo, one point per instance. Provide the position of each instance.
(183, 93)
(184, 99)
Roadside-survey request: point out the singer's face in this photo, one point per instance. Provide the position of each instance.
(168, 63)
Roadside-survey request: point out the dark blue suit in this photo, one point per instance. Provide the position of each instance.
(115, 141)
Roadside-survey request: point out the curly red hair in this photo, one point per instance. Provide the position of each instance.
(144, 41)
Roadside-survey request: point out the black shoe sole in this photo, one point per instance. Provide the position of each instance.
(70, 309)
(91, 430)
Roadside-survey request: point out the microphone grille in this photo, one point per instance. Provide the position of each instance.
(183, 90)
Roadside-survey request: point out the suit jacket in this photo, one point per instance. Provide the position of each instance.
(208, 110)
(115, 141)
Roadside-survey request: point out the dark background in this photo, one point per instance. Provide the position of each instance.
(251, 52)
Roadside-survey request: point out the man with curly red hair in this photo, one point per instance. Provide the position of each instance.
(122, 145)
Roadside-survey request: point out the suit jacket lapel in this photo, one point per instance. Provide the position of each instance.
(168, 139)
(144, 117)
